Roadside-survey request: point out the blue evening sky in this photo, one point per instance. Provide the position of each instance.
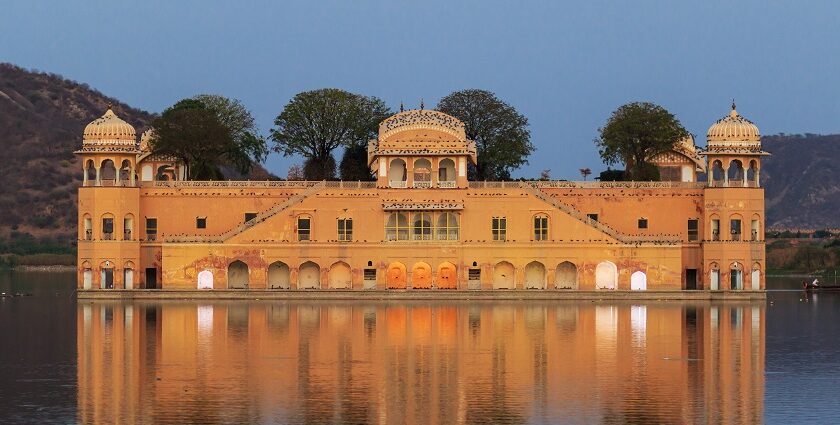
(565, 65)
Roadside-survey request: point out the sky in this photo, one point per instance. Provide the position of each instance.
(564, 65)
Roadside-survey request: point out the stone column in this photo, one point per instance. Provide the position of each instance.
(98, 176)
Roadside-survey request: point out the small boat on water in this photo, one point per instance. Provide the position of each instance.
(817, 286)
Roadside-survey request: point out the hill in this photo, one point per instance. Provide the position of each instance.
(42, 117)
(801, 180)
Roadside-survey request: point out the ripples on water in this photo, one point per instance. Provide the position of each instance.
(415, 362)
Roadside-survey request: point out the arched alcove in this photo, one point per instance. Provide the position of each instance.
(279, 276)
(395, 276)
(205, 280)
(108, 173)
(238, 275)
(397, 173)
(447, 277)
(446, 172)
(309, 275)
(638, 281)
(421, 276)
(535, 275)
(735, 173)
(606, 275)
(503, 276)
(340, 276)
(565, 276)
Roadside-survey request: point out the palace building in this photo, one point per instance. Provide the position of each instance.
(422, 225)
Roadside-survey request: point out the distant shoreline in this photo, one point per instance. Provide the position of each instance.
(53, 268)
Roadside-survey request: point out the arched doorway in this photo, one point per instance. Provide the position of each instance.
(87, 276)
(606, 275)
(565, 276)
(422, 173)
(535, 275)
(447, 277)
(714, 277)
(238, 276)
(147, 173)
(395, 276)
(736, 277)
(279, 276)
(205, 279)
(128, 275)
(309, 276)
(106, 275)
(421, 276)
(108, 173)
(755, 278)
(503, 276)
(340, 276)
(638, 281)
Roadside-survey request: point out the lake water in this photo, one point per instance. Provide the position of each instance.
(415, 362)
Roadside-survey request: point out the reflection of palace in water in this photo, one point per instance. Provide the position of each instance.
(422, 362)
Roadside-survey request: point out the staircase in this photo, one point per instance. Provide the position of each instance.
(265, 215)
(580, 216)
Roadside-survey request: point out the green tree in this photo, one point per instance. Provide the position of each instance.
(315, 123)
(636, 132)
(207, 132)
(250, 145)
(354, 165)
(500, 132)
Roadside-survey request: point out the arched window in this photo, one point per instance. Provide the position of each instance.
(540, 227)
(147, 173)
(714, 277)
(126, 173)
(717, 174)
(108, 173)
(397, 173)
(421, 227)
(752, 174)
(128, 275)
(422, 173)
(736, 173)
(108, 227)
(87, 222)
(714, 227)
(165, 173)
(90, 173)
(446, 173)
(304, 228)
(447, 227)
(128, 227)
(396, 228)
(735, 227)
(755, 228)
(755, 278)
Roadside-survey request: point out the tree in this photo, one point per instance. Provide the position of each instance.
(584, 172)
(635, 133)
(206, 132)
(295, 173)
(500, 132)
(315, 123)
(251, 146)
(354, 165)
(194, 136)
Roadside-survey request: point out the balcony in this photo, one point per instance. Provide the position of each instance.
(127, 235)
(107, 236)
(446, 185)
(151, 237)
(88, 235)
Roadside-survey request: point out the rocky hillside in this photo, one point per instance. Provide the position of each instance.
(802, 180)
(42, 117)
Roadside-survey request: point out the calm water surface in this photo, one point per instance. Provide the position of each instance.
(415, 362)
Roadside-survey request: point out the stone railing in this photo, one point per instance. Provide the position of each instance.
(235, 184)
(265, 215)
(422, 184)
(588, 185)
(572, 211)
(446, 185)
(397, 185)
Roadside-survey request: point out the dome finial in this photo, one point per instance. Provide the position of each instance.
(402, 109)
(421, 104)
(733, 103)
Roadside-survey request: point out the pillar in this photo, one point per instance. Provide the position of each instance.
(98, 176)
